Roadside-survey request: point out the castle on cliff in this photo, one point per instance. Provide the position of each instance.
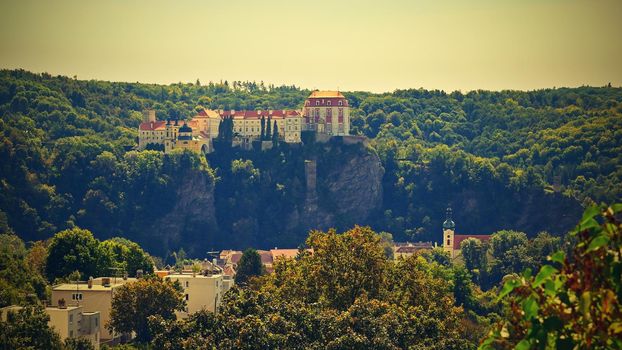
(325, 114)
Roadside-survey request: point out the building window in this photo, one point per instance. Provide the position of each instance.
(340, 103)
(70, 319)
(187, 284)
(448, 242)
(70, 334)
(317, 103)
(76, 296)
(187, 297)
(328, 103)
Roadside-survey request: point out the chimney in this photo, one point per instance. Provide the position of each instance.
(90, 282)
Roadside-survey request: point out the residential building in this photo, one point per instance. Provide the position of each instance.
(93, 296)
(201, 291)
(69, 322)
(452, 241)
(407, 249)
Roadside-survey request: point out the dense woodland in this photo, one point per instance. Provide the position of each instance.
(351, 294)
(67, 158)
(75, 197)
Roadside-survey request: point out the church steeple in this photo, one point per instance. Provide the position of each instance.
(448, 234)
(449, 223)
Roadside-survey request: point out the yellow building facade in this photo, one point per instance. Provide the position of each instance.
(95, 296)
(201, 292)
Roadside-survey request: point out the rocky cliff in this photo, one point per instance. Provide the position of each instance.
(348, 191)
(192, 221)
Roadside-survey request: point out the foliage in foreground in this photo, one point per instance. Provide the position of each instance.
(134, 302)
(573, 303)
(28, 328)
(345, 295)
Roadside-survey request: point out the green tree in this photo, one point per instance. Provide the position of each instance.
(134, 302)
(19, 279)
(475, 255)
(78, 344)
(28, 328)
(347, 265)
(574, 303)
(249, 266)
(269, 128)
(129, 255)
(263, 128)
(275, 135)
(76, 249)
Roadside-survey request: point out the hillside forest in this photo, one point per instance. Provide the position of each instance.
(528, 161)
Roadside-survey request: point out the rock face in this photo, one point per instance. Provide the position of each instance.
(348, 191)
(192, 221)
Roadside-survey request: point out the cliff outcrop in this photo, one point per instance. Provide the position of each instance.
(192, 221)
(349, 188)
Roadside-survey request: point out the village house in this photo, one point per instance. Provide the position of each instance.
(92, 296)
(406, 249)
(69, 322)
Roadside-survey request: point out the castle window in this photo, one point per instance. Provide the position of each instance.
(448, 242)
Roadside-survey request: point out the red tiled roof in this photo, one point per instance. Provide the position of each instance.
(151, 126)
(286, 253)
(228, 270)
(459, 238)
(275, 114)
(266, 256)
(235, 257)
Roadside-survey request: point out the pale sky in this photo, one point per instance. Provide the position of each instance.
(379, 45)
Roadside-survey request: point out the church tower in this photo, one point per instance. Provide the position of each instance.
(448, 234)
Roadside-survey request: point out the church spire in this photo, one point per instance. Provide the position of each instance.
(449, 223)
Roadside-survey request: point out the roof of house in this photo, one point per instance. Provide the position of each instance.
(266, 256)
(235, 257)
(412, 249)
(286, 253)
(325, 94)
(459, 238)
(207, 113)
(97, 284)
(152, 126)
(276, 114)
(228, 270)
